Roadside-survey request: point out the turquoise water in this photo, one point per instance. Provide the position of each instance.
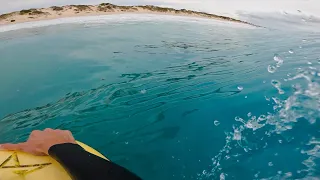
(170, 99)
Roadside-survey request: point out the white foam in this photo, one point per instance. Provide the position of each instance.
(103, 19)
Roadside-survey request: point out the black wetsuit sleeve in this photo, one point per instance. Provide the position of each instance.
(82, 165)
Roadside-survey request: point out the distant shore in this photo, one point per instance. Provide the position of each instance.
(55, 12)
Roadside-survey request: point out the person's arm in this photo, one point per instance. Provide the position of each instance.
(80, 164)
(83, 165)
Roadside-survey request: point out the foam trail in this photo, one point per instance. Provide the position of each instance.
(301, 107)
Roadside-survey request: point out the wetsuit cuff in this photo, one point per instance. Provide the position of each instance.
(60, 149)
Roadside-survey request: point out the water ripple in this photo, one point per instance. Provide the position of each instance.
(207, 95)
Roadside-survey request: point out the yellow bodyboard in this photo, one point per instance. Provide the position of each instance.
(16, 165)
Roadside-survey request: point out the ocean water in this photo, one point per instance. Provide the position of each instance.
(168, 97)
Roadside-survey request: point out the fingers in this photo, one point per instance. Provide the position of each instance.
(35, 133)
(21, 147)
(71, 136)
(48, 129)
(68, 133)
(12, 147)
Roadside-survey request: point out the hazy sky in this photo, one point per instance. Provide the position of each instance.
(214, 6)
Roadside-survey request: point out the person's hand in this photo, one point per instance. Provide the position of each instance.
(40, 142)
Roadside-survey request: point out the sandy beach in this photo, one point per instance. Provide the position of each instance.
(56, 12)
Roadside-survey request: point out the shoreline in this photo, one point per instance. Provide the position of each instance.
(55, 12)
(119, 17)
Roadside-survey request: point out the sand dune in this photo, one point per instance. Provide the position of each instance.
(101, 9)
